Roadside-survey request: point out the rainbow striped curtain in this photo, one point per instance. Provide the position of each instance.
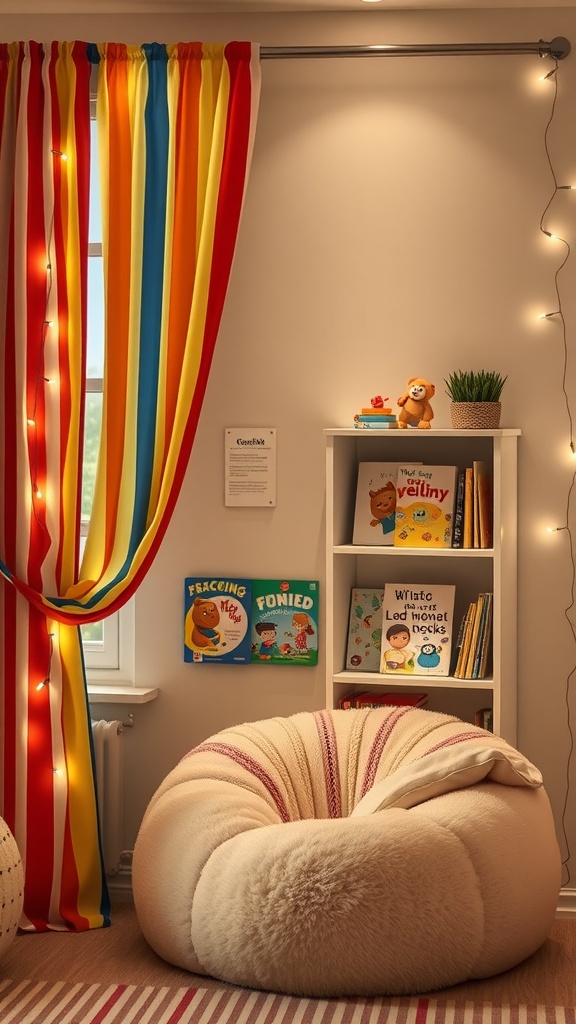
(176, 127)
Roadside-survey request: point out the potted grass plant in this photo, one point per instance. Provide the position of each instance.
(475, 398)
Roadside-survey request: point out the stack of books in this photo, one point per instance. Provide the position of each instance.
(472, 651)
(373, 699)
(376, 417)
(473, 511)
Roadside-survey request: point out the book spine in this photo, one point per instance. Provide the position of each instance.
(484, 719)
(463, 656)
(363, 425)
(481, 638)
(485, 510)
(474, 638)
(468, 508)
(486, 639)
(457, 536)
(369, 418)
(458, 646)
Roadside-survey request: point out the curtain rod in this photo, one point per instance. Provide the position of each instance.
(558, 48)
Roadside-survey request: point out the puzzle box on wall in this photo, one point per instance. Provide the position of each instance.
(217, 619)
(284, 622)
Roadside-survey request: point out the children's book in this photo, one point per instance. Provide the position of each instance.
(465, 640)
(375, 511)
(284, 622)
(417, 628)
(425, 498)
(468, 541)
(364, 630)
(483, 488)
(216, 619)
(458, 531)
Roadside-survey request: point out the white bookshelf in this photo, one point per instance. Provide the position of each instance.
(472, 570)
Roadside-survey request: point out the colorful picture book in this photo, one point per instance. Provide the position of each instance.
(364, 630)
(375, 510)
(216, 619)
(284, 622)
(425, 499)
(417, 629)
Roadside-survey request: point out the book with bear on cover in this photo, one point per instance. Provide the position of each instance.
(417, 628)
(425, 497)
(374, 514)
(284, 622)
(217, 619)
(364, 630)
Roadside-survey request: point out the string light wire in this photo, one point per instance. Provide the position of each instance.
(41, 378)
(559, 312)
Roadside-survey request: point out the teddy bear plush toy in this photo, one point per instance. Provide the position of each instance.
(415, 408)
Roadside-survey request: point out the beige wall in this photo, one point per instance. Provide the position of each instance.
(391, 229)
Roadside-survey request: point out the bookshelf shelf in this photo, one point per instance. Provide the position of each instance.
(361, 549)
(471, 570)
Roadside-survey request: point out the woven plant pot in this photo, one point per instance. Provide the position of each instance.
(475, 415)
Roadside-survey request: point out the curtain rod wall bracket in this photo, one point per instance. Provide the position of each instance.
(558, 48)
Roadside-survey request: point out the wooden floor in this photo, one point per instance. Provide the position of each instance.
(120, 955)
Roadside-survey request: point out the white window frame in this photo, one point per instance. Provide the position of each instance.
(112, 660)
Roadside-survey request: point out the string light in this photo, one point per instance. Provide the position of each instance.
(47, 678)
(42, 378)
(566, 527)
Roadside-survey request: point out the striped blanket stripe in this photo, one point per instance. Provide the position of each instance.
(33, 1002)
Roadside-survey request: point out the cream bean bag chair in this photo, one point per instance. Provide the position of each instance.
(341, 853)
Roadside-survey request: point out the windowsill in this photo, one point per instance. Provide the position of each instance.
(115, 694)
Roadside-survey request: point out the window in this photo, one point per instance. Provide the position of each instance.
(107, 644)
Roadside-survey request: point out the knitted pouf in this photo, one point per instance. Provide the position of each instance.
(11, 887)
(353, 852)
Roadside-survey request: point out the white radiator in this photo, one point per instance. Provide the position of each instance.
(108, 743)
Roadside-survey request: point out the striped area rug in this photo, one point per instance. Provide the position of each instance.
(32, 1002)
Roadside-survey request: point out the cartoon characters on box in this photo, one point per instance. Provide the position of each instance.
(415, 408)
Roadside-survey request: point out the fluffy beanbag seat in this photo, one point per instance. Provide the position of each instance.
(339, 853)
